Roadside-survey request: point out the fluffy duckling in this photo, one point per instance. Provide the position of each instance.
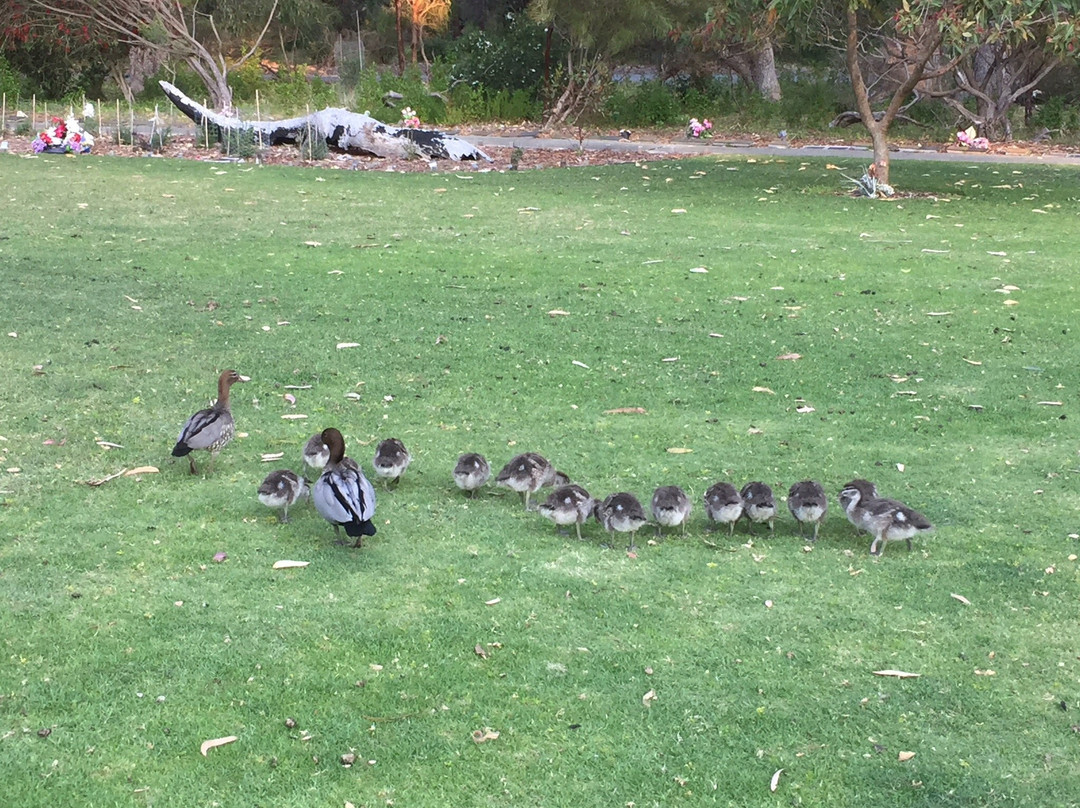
(391, 460)
(471, 472)
(892, 520)
(621, 512)
(808, 503)
(758, 504)
(568, 505)
(210, 429)
(526, 473)
(316, 454)
(343, 496)
(670, 508)
(853, 499)
(281, 489)
(724, 505)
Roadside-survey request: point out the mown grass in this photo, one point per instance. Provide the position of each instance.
(128, 285)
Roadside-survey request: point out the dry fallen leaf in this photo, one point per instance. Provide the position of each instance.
(480, 652)
(558, 313)
(485, 734)
(775, 780)
(805, 408)
(904, 756)
(285, 564)
(898, 674)
(960, 598)
(208, 745)
(141, 470)
(649, 698)
(985, 672)
(492, 602)
(270, 457)
(679, 450)
(626, 411)
(762, 390)
(789, 356)
(341, 345)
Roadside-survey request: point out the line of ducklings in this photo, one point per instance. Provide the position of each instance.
(345, 497)
(622, 512)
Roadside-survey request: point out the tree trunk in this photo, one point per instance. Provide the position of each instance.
(763, 71)
(344, 131)
(400, 38)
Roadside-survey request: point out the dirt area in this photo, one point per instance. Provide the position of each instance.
(537, 152)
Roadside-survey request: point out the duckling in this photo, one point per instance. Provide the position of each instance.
(316, 453)
(808, 503)
(670, 508)
(622, 512)
(212, 428)
(853, 499)
(568, 505)
(391, 460)
(343, 495)
(724, 505)
(526, 473)
(471, 472)
(892, 520)
(281, 489)
(758, 504)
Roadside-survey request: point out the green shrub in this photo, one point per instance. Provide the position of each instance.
(313, 146)
(512, 61)
(1057, 115)
(11, 83)
(645, 103)
(293, 90)
(238, 143)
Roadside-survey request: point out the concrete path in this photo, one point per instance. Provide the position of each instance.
(779, 149)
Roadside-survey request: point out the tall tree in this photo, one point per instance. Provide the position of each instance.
(596, 32)
(737, 35)
(175, 29)
(430, 15)
(918, 42)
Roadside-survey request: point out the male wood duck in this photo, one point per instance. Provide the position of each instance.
(758, 504)
(724, 505)
(281, 489)
(526, 473)
(808, 504)
(343, 496)
(471, 472)
(568, 505)
(622, 513)
(210, 429)
(391, 460)
(670, 508)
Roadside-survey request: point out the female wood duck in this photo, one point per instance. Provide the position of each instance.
(316, 453)
(343, 496)
(758, 504)
(670, 508)
(622, 512)
(724, 505)
(281, 489)
(568, 505)
(210, 429)
(471, 472)
(853, 499)
(808, 504)
(391, 460)
(526, 473)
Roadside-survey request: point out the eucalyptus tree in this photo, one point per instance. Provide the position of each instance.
(596, 33)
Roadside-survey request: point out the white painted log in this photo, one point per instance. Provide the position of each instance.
(344, 131)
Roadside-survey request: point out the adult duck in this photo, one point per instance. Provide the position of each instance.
(343, 496)
(210, 429)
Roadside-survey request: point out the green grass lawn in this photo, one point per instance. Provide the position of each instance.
(931, 332)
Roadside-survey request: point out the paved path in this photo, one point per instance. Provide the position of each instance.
(779, 149)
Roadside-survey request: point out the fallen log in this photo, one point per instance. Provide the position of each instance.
(344, 131)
